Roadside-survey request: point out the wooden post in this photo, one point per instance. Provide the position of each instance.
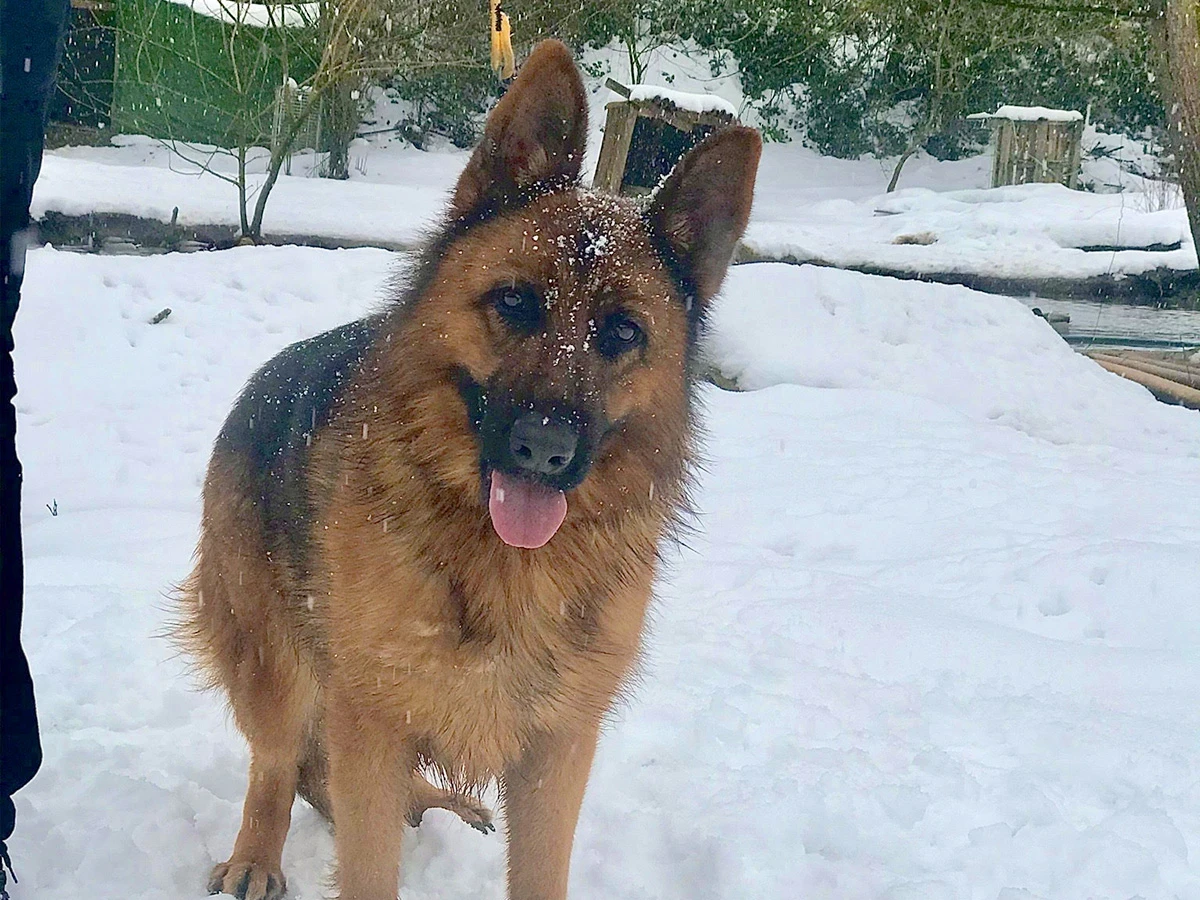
(618, 134)
(1076, 151)
(1003, 152)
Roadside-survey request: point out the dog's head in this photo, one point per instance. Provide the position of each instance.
(553, 327)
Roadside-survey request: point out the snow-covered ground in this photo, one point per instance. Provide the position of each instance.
(938, 635)
(808, 208)
(1029, 231)
(141, 177)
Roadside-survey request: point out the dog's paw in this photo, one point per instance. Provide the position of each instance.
(465, 807)
(477, 816)
(247, 880)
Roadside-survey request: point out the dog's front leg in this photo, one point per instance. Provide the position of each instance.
(369, 766)
(542, 795)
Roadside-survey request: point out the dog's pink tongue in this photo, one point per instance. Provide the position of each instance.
(525, 514)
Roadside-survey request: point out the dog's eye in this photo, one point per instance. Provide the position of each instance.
(518, 306)
(619, 334)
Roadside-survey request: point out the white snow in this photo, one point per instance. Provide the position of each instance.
(828, 328)
(699, 103)
(142, 178)
(808, 208)
(258, 15)
(1114, 162)
(1030, 114)
(1022, 231)
(937, 637)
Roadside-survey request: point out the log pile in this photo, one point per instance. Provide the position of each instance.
(1171, 377)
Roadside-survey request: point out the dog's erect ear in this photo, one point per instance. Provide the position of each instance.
(701, 210)
(537, 134)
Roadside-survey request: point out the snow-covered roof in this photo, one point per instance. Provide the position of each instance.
(699, 103)
(1031, 114)
(258, 15)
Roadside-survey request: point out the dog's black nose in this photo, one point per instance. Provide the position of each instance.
(542, 446)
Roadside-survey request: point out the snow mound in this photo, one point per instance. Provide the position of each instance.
(982, 355)
(1028, 231)
(151, 183)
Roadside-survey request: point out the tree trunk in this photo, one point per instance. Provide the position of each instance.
(937, 95)
(241, 186)
(912, 148)
(1181, 36)
(278, 155)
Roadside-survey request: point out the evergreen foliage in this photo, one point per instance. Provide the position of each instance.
(846, 76)
(875, 76)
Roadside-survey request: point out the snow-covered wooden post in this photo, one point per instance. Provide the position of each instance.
(1034, 144)
(646, 133)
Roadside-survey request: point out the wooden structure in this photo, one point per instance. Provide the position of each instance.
(648, 132)
(290, 100)
(1034, 144)
(1171, 377)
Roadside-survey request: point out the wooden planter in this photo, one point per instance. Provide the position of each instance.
(644, 138)
(1034, 145)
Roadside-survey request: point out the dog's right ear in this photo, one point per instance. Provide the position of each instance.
(536, 135)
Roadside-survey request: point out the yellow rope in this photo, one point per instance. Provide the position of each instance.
(504, 63)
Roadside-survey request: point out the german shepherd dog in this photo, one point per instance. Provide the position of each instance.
(429, 536)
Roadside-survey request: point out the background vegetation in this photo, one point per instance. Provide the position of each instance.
(846, 77)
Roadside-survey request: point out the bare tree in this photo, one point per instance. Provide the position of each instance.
(1178, 29)
(323, 51)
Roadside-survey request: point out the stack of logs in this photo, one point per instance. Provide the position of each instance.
(1171, 377)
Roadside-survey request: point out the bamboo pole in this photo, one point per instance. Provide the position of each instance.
(1177, 367)
(1160, 387)
(1190, 379)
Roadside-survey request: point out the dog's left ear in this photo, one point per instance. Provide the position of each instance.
(702, 209)
(536, 134)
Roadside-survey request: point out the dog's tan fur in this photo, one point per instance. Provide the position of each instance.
(412, 638)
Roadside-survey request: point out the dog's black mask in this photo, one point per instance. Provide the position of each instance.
(536, 439)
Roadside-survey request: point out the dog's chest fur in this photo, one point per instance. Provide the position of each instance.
(469, 649)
